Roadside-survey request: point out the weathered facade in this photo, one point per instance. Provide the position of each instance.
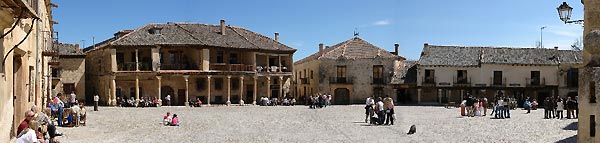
(449, 73)
(25, 38)
(69, 76)
(350, 71)
(217, 63)
(589, 109)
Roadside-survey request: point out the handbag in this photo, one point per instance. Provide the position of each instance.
(387, 111)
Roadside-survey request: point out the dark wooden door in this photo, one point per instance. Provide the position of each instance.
(180, 100)
(341, 96)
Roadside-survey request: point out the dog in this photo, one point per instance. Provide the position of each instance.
(412, 130)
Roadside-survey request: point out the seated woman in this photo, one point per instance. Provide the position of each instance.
(198, 102)
(286, 102)
(175, 120)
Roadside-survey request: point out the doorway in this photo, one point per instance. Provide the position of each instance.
(341, 96)
(164, 91)
(180, 100)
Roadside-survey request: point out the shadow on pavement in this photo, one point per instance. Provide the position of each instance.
(572, 139)
(572, 126)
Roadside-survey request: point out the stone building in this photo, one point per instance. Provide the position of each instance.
(350, 71)
(69, 75)
(589, 109)
(216, 63)
(404, 81)
(25, 38)
(450, 73)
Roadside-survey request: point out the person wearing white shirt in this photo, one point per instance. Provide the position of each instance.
(500, 108)
(168, 98)
(379, 109)
(96, 99)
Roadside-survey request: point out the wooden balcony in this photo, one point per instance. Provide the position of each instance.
(304, 81)
(231, 67)
(22, 8)
(131, 66)
(498, 83)
(340, 80)
(463, 81)
(271, 69)
(428, 81)
(535, 82)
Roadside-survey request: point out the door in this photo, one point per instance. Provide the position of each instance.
(180, 100)
(542, 97)
(68, 88)
(341, 96)
(164, 91)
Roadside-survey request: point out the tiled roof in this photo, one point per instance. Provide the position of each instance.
(474, 56)
(570, 57)
(405, 72)
(450, 56)
(199, 34)
(65, 49)
(355, 48)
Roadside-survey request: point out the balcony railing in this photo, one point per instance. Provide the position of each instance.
(178, 66)
(29, 8)
(231, 67)
(340, 80)
(462, 81)
(130, 66)
(535, 81)
(379, 80)
(271, 69)
(497, 83)
(54, 61)
(429, 80)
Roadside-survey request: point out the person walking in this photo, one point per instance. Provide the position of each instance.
(96, 99)
(547, 108)
(368, 106)
(507, 107)
(168, 99)
(470, 103)
(389, 110)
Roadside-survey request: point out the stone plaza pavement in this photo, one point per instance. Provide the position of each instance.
(300, 124)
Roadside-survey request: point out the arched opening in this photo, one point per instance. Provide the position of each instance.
(341, 96)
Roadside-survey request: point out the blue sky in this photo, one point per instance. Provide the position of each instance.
(303, 24)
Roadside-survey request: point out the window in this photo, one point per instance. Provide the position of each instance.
(55, 72)
(220, 56)
(155, 31)
(160, 56)
(218, 83)
(461, 76)
(311, 74)
(592, 125)
(572, 77)
(201, 84)
(535, 78)
(304, 75)
(592, 92)
(341, 74)
(378, 92)
(429, 76)
(497, 78)
(341, 71)
(378, 74)
(233, 58)
(378, 71)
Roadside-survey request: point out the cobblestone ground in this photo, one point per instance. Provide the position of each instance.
(300, 124)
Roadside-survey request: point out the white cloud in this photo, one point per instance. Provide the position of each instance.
(298, 43)
(571, 34)
(382, 22)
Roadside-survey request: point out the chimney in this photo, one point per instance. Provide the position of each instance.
(320, 47)
(555, 47)
(222, 26)
(396, 48)
(425, 49)
(277, 36)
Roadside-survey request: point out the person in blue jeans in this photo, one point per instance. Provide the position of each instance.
(60, 116)
(507, 107)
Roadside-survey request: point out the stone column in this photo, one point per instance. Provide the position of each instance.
(137, 61)
(137, 89)
(269, 87)
(205, 60)
(187, 85)
(113, 92)
(159, 91)
(279, 61)
(419, 96)
(255, 90)
(241, 90)
(113, 59)
(208, 90)
(156, 58)
(228, 91)
(588, 75)
(449, 95)
(439, 94)
(281, 86)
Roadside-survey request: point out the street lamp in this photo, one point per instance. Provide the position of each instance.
(564, 13)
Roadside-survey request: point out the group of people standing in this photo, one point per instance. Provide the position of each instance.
(384, 109)
(319, 101)
(475, 106)
(554, 107)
